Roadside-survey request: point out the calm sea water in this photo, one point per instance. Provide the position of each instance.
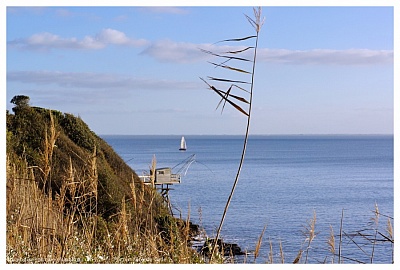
(283, 181)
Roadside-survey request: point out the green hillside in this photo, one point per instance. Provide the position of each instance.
(64, 181)
(26, 139)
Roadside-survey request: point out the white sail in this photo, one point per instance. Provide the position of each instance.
(183, 144)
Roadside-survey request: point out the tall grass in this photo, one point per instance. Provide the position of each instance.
(350, 242)
(258, 245)
(331, 244)
(68, 230)
(45, 226)
(360, 246)
(310, 233)
(233, 99)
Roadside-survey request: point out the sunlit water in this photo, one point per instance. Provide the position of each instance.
(283, 181)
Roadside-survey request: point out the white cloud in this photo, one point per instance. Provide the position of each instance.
(185, 52)
(111, 36)
(179, 52)
(47, 41)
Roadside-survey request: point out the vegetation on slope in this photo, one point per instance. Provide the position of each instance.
(71, 198)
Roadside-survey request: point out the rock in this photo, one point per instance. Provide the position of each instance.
(229, 249)
(194, 229)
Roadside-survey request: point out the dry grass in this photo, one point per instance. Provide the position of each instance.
(259, 242)
(281, 252)
(389, 230)
(367, 240)
(331, 244)
(64, 227)
(68, 230)
(310, 233)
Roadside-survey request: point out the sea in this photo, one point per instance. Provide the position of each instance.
(345, 181)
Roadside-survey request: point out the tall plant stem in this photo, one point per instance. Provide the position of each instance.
(243, 153)
(340, 239)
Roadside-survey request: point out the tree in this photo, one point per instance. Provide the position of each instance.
(20, 102)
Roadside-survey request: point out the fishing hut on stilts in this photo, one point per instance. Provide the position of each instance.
(163, 178)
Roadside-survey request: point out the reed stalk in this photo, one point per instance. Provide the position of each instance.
(48, 149)
(93, 186)
(298, 257)
(376, 223)
(227, 96)
(258, 245)
(281, 252)
(331, 244)
(389, 229)
(133, 192)
(340, 239)
(271, 253)
(310, 234)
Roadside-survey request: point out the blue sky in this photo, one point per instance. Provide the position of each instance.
(135, 70)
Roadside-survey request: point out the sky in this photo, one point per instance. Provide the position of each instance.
(136, 70)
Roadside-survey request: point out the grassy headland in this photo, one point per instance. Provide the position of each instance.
(72, 199)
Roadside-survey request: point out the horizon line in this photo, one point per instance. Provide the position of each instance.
(260, 134)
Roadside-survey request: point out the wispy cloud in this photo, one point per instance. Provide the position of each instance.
(121, 18)
(179, 52)
(90, 80)
(63, 12)
(170, 10)
(327, 57)
(48, 41)
(31, 10)
(186, 52)
(67, 13)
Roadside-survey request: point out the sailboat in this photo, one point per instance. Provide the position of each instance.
(183, 144)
